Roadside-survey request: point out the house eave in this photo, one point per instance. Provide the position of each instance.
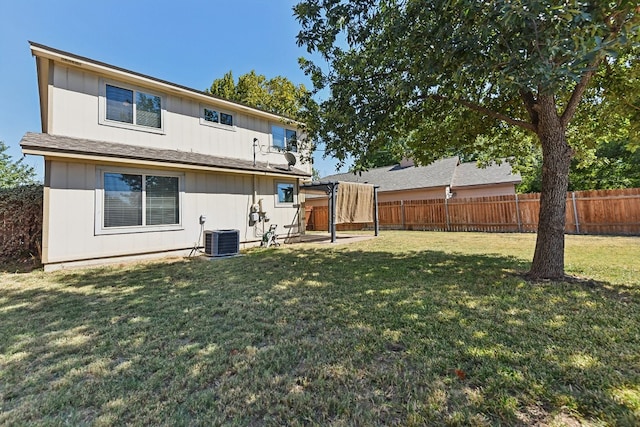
(66, 148)
(52, 155)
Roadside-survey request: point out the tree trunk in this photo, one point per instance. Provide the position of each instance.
(548, 259)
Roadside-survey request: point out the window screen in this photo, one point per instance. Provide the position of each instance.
(148, 110)
(122, 200)
(162, 200)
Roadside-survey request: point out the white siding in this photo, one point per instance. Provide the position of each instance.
(225, 199)
(75, 112)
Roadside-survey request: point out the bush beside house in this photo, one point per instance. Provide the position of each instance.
(21, 222)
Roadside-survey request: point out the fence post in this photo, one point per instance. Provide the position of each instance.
(518, 215)
(446, 213)
(575, 211)
(376, 225)
(402, 214)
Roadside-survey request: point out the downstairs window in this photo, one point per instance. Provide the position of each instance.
(140, 200)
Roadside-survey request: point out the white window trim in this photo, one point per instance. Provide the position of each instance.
(280, 204)
(102, 116)
(100, 229)
(271, 142)
(214, 124)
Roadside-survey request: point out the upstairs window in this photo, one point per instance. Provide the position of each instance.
(226, 119)
(133, 107)
(211, 116)
(214, 117)
(284, 139)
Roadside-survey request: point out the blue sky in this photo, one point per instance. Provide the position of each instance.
(189, 42)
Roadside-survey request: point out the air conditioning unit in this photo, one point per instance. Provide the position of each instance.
(221, 242)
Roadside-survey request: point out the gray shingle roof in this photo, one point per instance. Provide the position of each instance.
(468, 174)
(392, 178)
(441, 173)
(61, 145)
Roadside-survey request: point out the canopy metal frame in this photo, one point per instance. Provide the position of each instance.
(331, 189)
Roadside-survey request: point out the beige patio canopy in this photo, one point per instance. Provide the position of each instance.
(348, 202)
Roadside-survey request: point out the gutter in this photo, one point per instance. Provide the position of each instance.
(64, 156)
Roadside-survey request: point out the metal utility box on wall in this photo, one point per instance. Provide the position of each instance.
(221, 242)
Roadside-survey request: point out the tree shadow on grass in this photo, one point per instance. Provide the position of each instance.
(329, 336)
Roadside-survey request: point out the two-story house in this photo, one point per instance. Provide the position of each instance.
(136, 167)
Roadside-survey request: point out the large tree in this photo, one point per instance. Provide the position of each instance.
(611, 164)
(439, 74)
(276, 95)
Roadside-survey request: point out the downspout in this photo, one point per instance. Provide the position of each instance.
(255, 195)
(376, 222)
(255, 191)
(255, 144)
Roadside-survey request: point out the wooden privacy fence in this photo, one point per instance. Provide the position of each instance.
(588, 212)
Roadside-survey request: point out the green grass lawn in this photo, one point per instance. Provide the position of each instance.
(411, 328)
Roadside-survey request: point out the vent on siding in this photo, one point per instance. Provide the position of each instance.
(221, 242)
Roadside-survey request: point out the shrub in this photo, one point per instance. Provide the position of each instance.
(21, 222)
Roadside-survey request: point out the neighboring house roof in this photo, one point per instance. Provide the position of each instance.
(469, 174)
(45, 144)
(104, 68)
(441, 173)
(392, 178)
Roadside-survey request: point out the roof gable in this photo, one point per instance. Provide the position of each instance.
(71, 59)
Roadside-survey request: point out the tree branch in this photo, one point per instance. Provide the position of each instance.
(529, 103)
(491, 113)
(615, 24)
(576, 96)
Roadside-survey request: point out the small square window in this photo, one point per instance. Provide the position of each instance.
(210, 115)
(226, 119)
(285, 192)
